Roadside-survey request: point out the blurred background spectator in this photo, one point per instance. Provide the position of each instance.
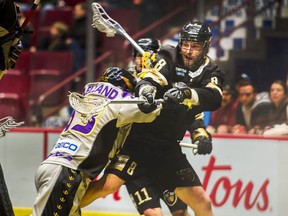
(77, 36)
(55, 40)
(224, 118)
(251, 111)
(278, 112)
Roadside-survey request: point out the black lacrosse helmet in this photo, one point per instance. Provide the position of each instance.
(196, 31)
(120, 78)
(147, 44)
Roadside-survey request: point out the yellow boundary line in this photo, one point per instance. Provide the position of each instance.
(28, 211)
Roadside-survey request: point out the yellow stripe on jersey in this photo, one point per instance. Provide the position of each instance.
(1, 74)
(22, 211)
(155, 75)
(214, 86)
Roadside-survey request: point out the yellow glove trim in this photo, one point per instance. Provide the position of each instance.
(1, 74)
(199, 132)
(155, 75)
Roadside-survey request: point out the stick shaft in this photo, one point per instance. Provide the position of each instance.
(30, 13)
(133, 43)
(188, 145)
(131, 101)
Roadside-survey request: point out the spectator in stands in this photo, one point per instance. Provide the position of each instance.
(252, 111)
(224, 118)
(77, 36)
(55, 40)
(278, 112)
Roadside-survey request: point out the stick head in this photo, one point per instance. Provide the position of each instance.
(7, 123)
(87, 105)
(102, 21)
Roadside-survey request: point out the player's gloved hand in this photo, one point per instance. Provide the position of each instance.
(202, 139)
(10, 52)
(181, 94)
(14, 54)
(148, 93)
(147, 59)
(4, 55)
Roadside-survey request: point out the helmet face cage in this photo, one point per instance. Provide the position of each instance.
(147, 44)
(120, 78)
(198, 32)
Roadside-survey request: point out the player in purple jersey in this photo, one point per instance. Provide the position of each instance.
(86, 145)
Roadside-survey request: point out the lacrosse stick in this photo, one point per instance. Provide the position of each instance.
(6, 124)
(190, 145)
(18, 35)
(106, 24)
(93, 105)
(30, 13)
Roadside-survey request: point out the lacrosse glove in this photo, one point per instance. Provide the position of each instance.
(9, 54)
(147, 59)
(14, 54)
(181, 94)
(202, 139)
(148, 93)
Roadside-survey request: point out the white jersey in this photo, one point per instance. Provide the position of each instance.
(87, 146)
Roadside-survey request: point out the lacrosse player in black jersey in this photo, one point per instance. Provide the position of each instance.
(190, 83)
(10, 48)
(10, 31)
(137, 187)
(193, 80)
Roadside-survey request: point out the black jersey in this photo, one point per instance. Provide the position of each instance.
(207, 80)
(171, 125)
(8, 12)
(154, 146)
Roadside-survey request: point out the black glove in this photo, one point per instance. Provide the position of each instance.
(148, 93)
(177, 94)
(202, 139)
(15, 51)
(10, 53)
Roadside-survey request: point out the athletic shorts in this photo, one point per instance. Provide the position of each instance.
(59, 190)
(168, 171)
(145, 194)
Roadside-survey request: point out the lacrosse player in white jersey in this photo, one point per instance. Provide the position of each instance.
(86, 144)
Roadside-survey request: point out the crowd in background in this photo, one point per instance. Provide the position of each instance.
(246, 111)
(243, 109)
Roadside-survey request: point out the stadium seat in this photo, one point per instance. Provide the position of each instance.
(73, 2)
(15, 82)
(42, 80)
(61, 61)
(10, 105)
(35, 21)
(24, 62)
(130, 22)
(65, 15)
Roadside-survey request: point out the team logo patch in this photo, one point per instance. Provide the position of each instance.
(169, 197)
(180, 72)
(186, 174)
